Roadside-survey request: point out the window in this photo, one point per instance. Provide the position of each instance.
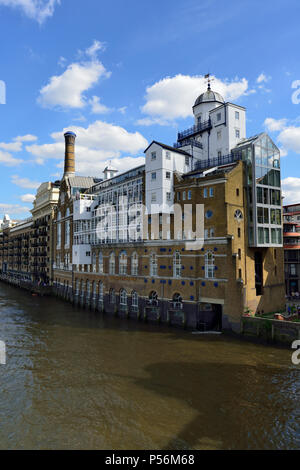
(123, 263)
(205, 192)
(206, 235)
(177, 264)
(209, 265)
(219, 153)
(237, 133)
(134, 299)
(237, 191)
(87, 253)
(100, 263)
(258, 273)
(178, 196)
(240, 274)
(219, 116)
(134, 264)
(94, 262)
(153, 155)
(187, 160)
(189, 195)
(168, 156)
(153, 264)
(112, 296)
(183, 196)
(112, 263)
(168, 196)
(239, 253)
(88, 209)
(153, 197)
(211, 192)
(239, 232)
(219, 135)
(212, 232)
(209, 214)
(237, 115)
(100, 291)
(168, 175)
(123, 297)
(153, 175)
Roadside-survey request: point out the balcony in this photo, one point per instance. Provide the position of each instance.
(203, 126)
(186, 142)
(217, 161)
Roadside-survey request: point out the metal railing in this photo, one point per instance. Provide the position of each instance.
(194, 129)
(184, 143)
(217, 161)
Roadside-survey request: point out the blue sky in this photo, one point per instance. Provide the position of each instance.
(121, 74)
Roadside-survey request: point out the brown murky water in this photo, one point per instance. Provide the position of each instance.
(77, 380)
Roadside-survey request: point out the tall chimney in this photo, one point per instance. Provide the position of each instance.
(69, 154)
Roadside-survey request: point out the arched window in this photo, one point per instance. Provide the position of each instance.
(209, 265)
(112, 263)
(88, 288)
(134, 299)
(58, 237)
(82, 287)
(100, 291)
(177, 301)
(123, 297)
(94, 260)
(153, 264)
(112, 296)
(177, 264)
(134, 264)
(153, 298)
(123, 263)
(100, 262)
(77, 286)
(94, 288)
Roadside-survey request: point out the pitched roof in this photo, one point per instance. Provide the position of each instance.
(82, 181)
(167, 147)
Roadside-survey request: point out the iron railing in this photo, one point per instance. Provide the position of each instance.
(217, 161)
(202, 126)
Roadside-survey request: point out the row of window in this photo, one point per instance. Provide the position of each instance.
(153, 265)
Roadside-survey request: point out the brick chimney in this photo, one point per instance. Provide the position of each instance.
(69, 154)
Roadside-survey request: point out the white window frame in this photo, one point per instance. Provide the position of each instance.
(177, 264)
(209, 265)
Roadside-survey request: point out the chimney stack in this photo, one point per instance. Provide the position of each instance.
(69, 154)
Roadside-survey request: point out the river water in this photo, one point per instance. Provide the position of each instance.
(75, 379)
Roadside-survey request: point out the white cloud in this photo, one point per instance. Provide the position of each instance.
(263, 78)
(12, 208)
(173, 97)
(291, 190)
(67, 90)
(95, 145)
(122, 110)
(97, 107)
(7, 159)
(274, 125)
(27, 197)
(94, 48)
(24, 182)
(25, 138)
(11, 146)
(38, 10)
(290, 138)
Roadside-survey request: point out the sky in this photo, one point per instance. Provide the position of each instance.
(121, 74)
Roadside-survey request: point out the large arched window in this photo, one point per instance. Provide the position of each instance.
(100, 262)
(112, 296)
(177, 264)
(209, 265)
(94, 260)
(112, 263)
(123, 263)
(134, 299)
(58, 237)
(134, 264)
(100, 287)
(123, 297)
(153, 264)
(153, 298)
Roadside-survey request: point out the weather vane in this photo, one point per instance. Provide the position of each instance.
(209, 80)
